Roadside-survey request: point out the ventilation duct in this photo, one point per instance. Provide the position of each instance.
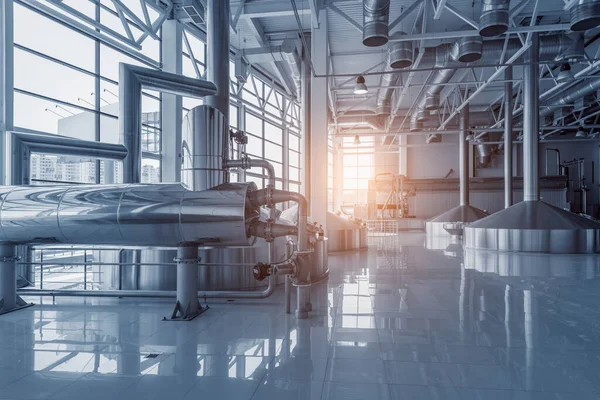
(575, 51)
(376, 14)
(372, 123)
(293, 60)
(415, 125)
(484, 154)
(570, 96)
(585, 15)
(400, 53)
(550, 48)
(494, 18)
(467, 49)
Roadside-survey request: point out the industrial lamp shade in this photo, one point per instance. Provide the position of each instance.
(360, 87)
(356, 140)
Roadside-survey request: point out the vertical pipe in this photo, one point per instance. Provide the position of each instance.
(6, 84)
(463, 151)
(288, 294)
(508, 126)
(8, 278)
(130, 123)
(531, 121)
(187, 279)
(217, 46)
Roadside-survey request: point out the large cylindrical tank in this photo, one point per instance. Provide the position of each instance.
(344, 234)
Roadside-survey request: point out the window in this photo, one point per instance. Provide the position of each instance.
(66, 83)
(358, 169)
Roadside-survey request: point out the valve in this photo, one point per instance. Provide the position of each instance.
(261, 271)
(238, 136)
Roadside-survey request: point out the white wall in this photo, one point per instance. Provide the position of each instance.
(433, 160)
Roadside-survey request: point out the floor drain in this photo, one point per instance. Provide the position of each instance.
(230, 300)
(153, 355)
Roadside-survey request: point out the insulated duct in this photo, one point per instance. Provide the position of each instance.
(494, 17)
(442, 56)
(570, 96)
(585, 15)
(158, 215)
(376, 14)
(399, 55)
(293, 60)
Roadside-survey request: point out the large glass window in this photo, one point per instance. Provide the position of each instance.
(66, 83)
(358, 169)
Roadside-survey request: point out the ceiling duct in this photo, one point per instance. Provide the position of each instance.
(467, 49)
(570, 96)
(575, 51)
(415, 125)
(376, 14)
(442, 56)
(494, 18)
(291, 57)
(585, 15)
(400, 53)
(485, 153)
(370, 122)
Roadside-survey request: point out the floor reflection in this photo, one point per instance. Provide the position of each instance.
(397, 321)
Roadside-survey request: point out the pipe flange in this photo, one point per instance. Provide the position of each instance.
(10, 259)
(179, 260)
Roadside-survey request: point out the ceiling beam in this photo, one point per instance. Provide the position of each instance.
(272, 9)
(257, 30)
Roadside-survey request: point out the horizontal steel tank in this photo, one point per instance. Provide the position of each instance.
(159, 215)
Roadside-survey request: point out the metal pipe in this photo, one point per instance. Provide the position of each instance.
(508, 128)
(268, 291)
(187, 280)
(161, 215)
(531, 121)
(288, 295)
(217, 54)
(8, 278)
(131, 80)
(463, 156)
(376, 14)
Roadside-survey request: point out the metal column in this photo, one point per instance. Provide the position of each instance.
(318, 124)
(508, 126)
(6, 83)
(171, 104)
(217, 54)
(531, 122)
(9, 301)
(187, 306)
(463, 151)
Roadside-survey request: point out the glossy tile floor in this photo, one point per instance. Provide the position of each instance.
(399, 321)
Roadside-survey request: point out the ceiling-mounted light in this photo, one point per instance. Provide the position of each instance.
(360, 87)
(565, 74)
(356, 140)
(580, 133)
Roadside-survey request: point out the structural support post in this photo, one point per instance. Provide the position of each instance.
(531, 121)
(318, 124)
(171, 104)
(508, 126)
(187, 307)
(217, 54)
(463, 155)
(9, 301)
(6, 84)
